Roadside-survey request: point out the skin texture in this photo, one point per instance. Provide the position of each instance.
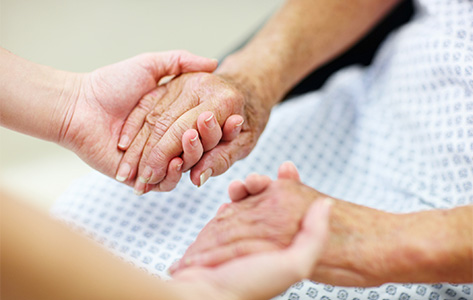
(300, 37)
(86, 112)
(177, 105)
(366, 247)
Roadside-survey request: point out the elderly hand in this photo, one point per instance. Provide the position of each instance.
(102, 100)
(261, 276)
(265, 215)
(169, 115)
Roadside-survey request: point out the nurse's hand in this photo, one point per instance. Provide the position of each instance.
(101, 101)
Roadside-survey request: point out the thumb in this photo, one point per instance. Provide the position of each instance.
(175, 62)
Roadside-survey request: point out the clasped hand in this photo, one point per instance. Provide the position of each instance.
(124, 125)
(198, 121)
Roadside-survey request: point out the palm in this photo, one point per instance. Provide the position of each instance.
(108, 95)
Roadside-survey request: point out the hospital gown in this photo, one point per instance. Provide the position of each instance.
(396, 136)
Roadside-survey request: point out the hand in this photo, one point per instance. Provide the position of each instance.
(269, 217)
(261, 276)
(176, 107)
(102, 100)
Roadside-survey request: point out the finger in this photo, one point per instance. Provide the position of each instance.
(175, 62)
(223, 233)
(256, 183)
(173, 176)
(220, 255)
(137, 117)
(209, 130)
(221, 158)
(237, 191)
(163, 144)
(232, 127)
(192, 148)
(309, 242)
(166, 139)
(128, 166)
(288, 170)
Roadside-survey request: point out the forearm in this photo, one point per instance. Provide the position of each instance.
(435, 246)
(42, 259)
(302, 36)
(368, 247)
(34, 99)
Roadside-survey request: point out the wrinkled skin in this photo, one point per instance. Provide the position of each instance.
(102, 100)
(177, 105)
(360, 238)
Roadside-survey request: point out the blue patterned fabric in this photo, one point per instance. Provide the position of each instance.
(396, 136)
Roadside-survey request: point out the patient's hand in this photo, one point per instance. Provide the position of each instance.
(155, 131)
(265, 215)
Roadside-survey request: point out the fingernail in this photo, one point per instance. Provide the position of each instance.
(241, 123)
(179, 166)
(123, 172)
(146, 175)
(138, 192)
(210, 121)
(139, 188)
(194, 140)
(204, 176)
(124, 140)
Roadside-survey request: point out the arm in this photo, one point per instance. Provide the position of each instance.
(366, 247)
(34, 99)
(42, 259)
(302, 36)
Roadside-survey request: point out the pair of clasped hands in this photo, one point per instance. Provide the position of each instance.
(146, 135)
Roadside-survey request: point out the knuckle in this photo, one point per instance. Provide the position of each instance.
(225, 161)
(153, 117)
(177, 130)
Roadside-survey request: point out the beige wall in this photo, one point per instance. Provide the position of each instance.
(82, 35)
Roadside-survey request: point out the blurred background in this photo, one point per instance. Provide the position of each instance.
(81, 36)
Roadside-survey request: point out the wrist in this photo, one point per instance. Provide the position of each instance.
(257, 81)
(41, 93)
(67, 102)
